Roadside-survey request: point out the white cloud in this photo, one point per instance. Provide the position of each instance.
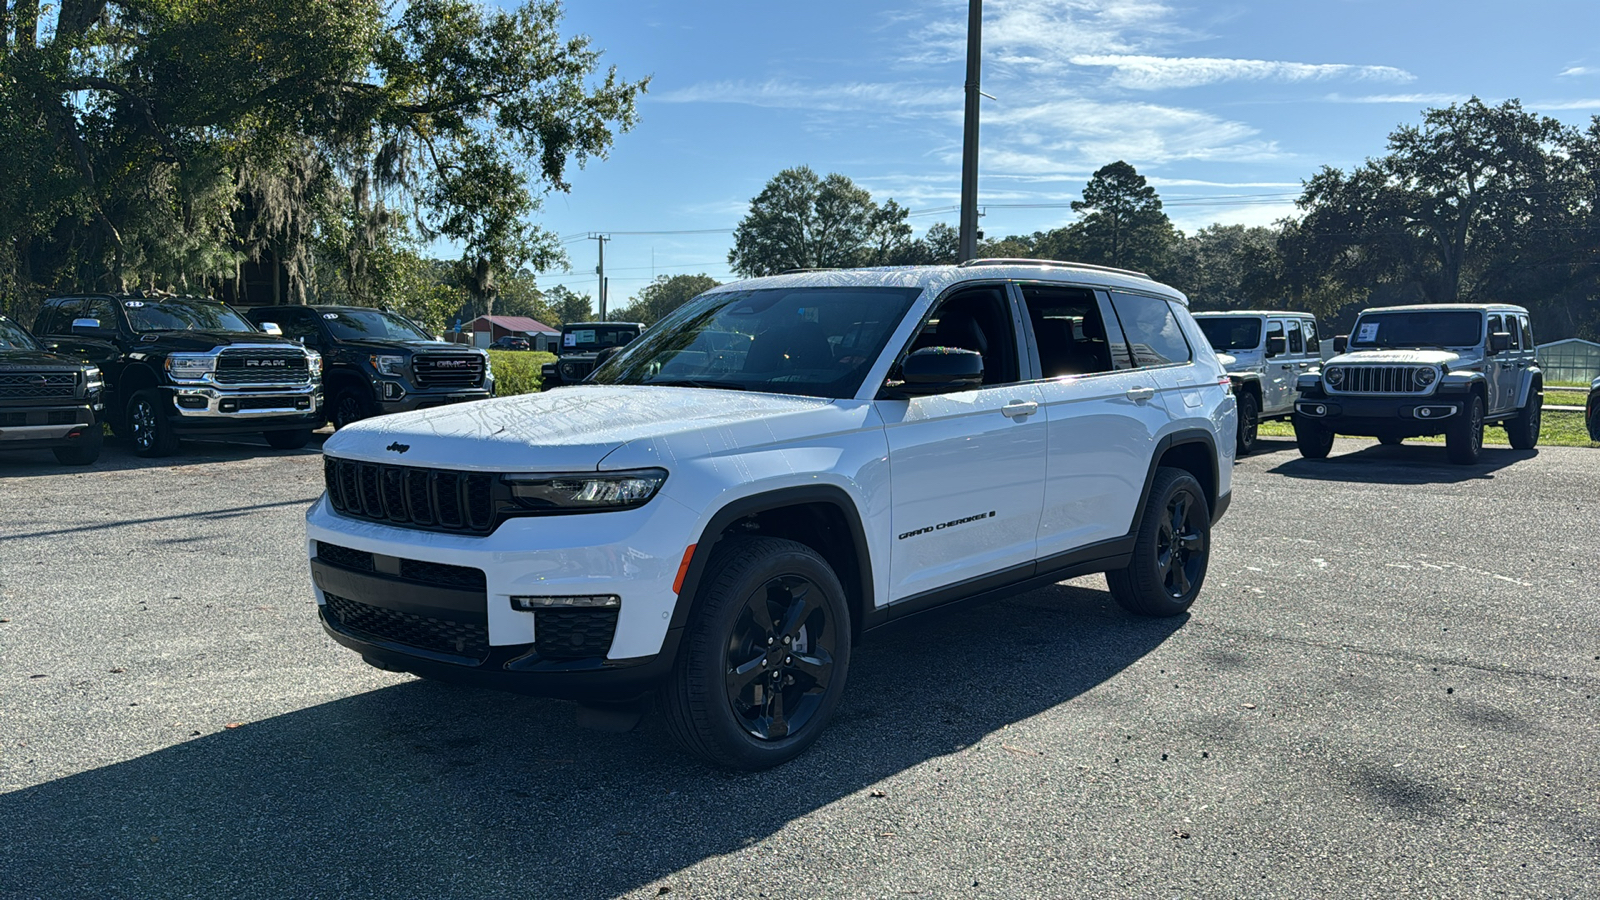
(1147, 73)
(881, 97)
(1589, 103)
(1407, 99)
(1575, 71)
(1042, 32)
(1075, 133)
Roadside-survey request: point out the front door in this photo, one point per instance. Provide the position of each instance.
(966, 468)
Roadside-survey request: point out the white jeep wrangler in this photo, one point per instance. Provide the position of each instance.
(1411, 371)
(783, 464)
(1264, 354)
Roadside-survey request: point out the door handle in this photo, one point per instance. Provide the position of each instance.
(1019, 409)
(1141, 394)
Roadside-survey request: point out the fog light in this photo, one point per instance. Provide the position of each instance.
(191, 401)
(1425, 413)
(393, 391)
(228, 406)
(595, 601)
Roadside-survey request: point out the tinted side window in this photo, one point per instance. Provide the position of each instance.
(1527, 334)
(297, 324)
(1297, 345)
(1154, 336)
(1495, 326)
(1313, 348)
(1069, 330)
(101, 308)
(56, 317)
(976, 319)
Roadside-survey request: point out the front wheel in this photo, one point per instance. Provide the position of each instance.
(84, 450)
(1524, 429)
(1314, 440)
(350, 405)
(1249, 424)
(1464, 441)
(148, 427)
(765, 656)
(288, 440)
(1171, 550)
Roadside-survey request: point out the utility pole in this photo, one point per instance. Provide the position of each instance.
(601, 271)
(969, 133)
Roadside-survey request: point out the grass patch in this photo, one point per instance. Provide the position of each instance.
(1554, 397)
(1556, 429)
(517, 371)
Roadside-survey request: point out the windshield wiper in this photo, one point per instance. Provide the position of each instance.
(699, 383)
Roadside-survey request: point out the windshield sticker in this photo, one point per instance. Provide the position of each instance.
(330, 315)
(569, 340)
(581, 337)
(133, 304)
(1368, 333)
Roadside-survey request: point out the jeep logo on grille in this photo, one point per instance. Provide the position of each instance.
(274, 363)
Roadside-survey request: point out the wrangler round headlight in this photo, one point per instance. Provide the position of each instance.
(1426, 376)
(1335, 375)
(585, 490)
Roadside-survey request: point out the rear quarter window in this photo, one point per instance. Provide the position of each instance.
(1155, 338)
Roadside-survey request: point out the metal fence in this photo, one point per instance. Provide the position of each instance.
(1573, 359)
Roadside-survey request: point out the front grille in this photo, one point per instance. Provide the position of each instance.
(38, 385)
(452, 370)
(573, 633)
(262, 367)
(1381, 380)
(433, 499)
(421, 571)
(575, 369)
(47, 417)
(247, 403)
(459, 637)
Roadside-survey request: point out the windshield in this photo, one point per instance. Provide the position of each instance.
(14, 337)
(1232, 332)
(589, 338)
(183, 314)
(1418, 329)
(816, 342)
(373, 324)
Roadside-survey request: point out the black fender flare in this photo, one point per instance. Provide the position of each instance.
(1183, 438)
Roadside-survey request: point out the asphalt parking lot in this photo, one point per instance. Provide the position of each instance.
(1389, 687)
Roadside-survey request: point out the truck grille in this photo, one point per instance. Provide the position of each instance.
(421, 571)
(431, 499)
(458, 637)
(285, 366)
(575, 369)
(573, 633)
(38, 385)
(1381, 380)
(453, 370)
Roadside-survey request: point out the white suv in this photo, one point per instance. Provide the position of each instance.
(722, 510)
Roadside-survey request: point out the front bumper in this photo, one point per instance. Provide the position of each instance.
(205, 409)
(1380, 416)
(397, 399)
(44, 426)
(440, 605)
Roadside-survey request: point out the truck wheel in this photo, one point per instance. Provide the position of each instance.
(1389, 440)
(149, 430)
(1249, 424)
(288, 440)
(350, 405)
(1171, 550)
(764, 659)
(84, 451)
(1524, 429)
(1314, 440)
(1464, 441)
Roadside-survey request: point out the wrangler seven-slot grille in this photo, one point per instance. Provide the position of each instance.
(38, 385)
(1381, 380)
(266, 366)
(453, 370)
(432, 499)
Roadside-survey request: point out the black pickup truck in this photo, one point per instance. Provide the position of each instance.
(47, 400)
(177, 366)
(381, 362)
(584, 346)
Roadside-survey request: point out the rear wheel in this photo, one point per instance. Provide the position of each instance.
(1524, 429)
(1249, 423)
(288, 440)
(764, 659)
(1464, 441)
(1171, 550)
(1315, 440)
(84, 450)
(149, 430)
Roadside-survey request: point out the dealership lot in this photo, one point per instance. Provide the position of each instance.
(1389, 686)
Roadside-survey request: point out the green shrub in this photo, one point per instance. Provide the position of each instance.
(517, 371)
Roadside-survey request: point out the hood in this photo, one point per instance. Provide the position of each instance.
(201, 341)
(37, 359)
(379, 344)
(571, 428)
(1444, 358)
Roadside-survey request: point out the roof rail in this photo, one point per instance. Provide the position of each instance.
(1015, 261)
(804, 269)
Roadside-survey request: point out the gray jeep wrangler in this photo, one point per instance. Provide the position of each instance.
(1412, 371)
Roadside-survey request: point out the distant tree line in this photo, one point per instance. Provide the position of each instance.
(1478, 203)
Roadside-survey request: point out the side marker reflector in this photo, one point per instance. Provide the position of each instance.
(683, 569)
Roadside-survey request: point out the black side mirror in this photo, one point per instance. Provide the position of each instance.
(940, 370)
(1276, 344)
(1341, 342)
(1499, 342)
(87, 327)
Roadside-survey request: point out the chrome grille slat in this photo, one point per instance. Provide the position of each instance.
(1399, 379)
(448, 370)
(233, 367)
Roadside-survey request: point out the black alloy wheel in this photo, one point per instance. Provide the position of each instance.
(1523, 431)
(1315, 440)
(1171, 551)
(1181, 545)
(1249, 424)
(780, 659)
(148, 429)
(349, 406)
(1464, 441)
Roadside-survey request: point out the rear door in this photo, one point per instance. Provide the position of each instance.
(1502, 369)
(1279, 372)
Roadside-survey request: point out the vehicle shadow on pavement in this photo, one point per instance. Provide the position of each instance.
(118, 456)
(1404, 464)
(422, 789)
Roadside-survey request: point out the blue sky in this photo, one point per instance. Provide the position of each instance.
(1224, 106)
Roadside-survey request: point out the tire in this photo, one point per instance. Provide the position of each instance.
(1389, 441)
(84, 451)
(1314, 440)
(1249, 424)
(719, 703)
(288, 440)
(1464, 440)
(350, 404)
(1524, 429)
(148, 428)
(1170, 552)
(1592, 417)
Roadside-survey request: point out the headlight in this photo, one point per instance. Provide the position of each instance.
(191, 367)
(92, 379)
(314, 362)
(1426, 376)
(393, 366)
(488, 367)
(1335, 376)
(587, 490)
